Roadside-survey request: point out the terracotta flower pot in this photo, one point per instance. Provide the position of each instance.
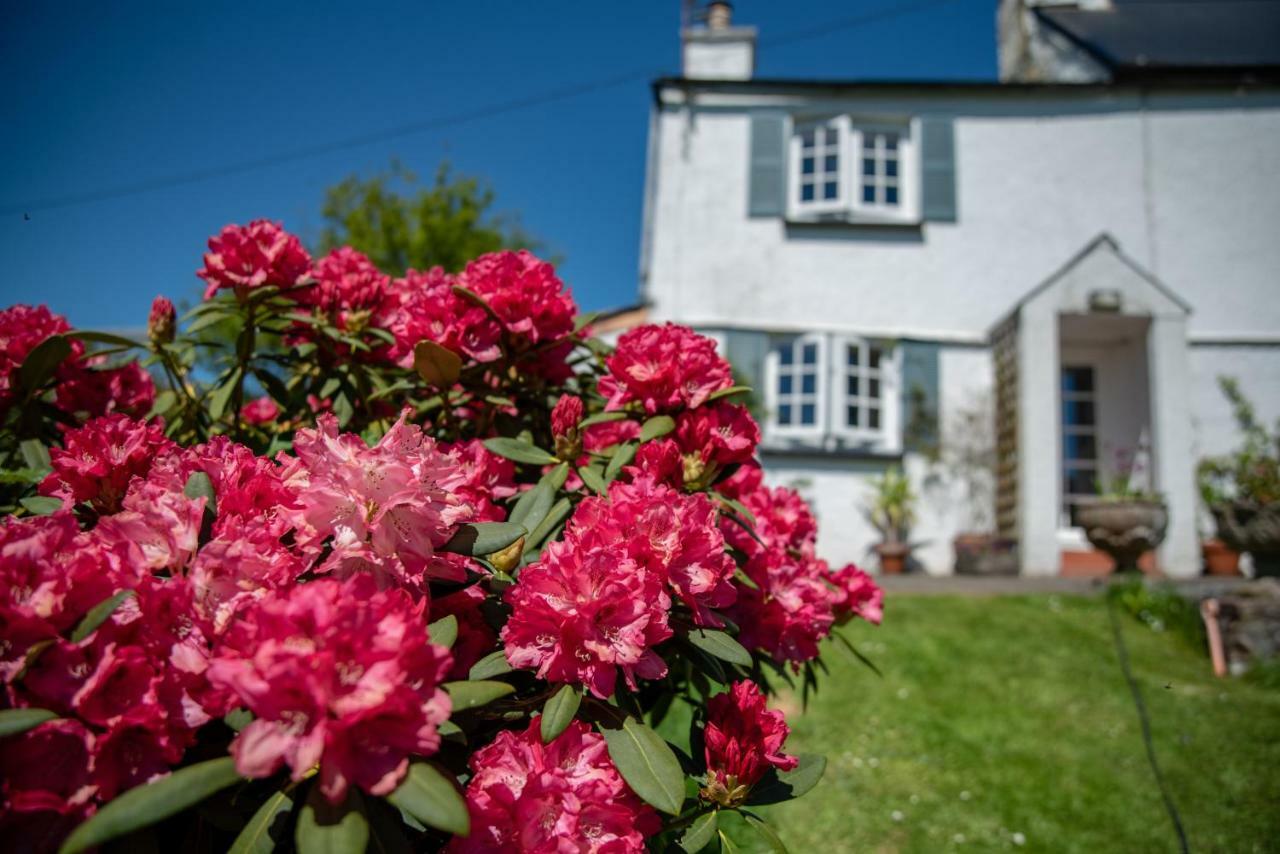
(893, 557)
(1124, 529)
(1219, 558)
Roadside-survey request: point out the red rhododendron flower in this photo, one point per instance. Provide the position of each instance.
(664, 369)
(783, 521)
(579, 615)
(98, 460)
(346, 280)
(384, 509)
(486, 478)
(336, 674)
(427, 308)
(47, 768)
(856, 594)
(529, 300)
(743, 741)
(789, 611)
(260, 411)
(250, 256)
(559, 797)
(22, 329)
(93, 391)
(671, 535)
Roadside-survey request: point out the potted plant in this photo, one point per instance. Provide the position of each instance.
(969, 457)
(1219, 558)
(1246, 484)
(891, 510)
(1127, 519)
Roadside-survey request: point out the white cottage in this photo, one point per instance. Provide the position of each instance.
(1058, 265)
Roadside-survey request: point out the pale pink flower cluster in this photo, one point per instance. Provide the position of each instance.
(547, 799)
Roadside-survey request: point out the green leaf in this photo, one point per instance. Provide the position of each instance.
(433, 799)
(330, 387)
(474, 693)
(623, 455)
(778, 787)
(721, 645)
(444, 631)
(15, 721)
(483, 538)
(473, 297)
(147, 804)
(726, 844)
(493, 664)
(103, 338)
(856, 654)
(558, 712)
(729, 392)
(238, 719)
(770, 835)
(648, 765)
(98, 615)
(657, 426)
(200, 486)
(325, 828)
(601, 418)
(221, 396)
(520, 451)
(387, 829)
(582, 321)
(700, 833)
(42, 361)
(532, 505)
(593, 479)
(35, 455)
(554, 517)
(439, 366)
(739, 508)
(256, 837)
(41, 505)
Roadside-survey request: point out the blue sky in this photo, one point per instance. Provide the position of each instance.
(100, 96)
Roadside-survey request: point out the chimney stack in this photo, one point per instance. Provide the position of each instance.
(717, 50)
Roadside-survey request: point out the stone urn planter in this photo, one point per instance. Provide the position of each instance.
(1254, 528)
(1124, 529)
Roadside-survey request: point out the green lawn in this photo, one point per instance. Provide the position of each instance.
(1005, 724)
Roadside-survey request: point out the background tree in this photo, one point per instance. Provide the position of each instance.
(402, 224)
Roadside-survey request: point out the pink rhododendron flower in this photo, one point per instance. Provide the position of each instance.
(100, 458)
(159, 527)
(579, 615)
(856, 594)
(162, 322)
(260, 411)
(664, 369)
(427, 308)
(789, 611)
(713, 437)
(671, 535)
(92, 391)
(22, 329)
(524, 292)
(565, 418)
(336, 674)
(346, 280)
(384, 509)
(486, 478)
(783, 521)
(565, 796)
(743, 741)
(47, 768)
(606, 434)
(241, 564)
(261, 253)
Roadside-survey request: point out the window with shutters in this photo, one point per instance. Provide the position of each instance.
(797, 384)
(848, 169)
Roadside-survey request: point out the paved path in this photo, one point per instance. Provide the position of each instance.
(918, 584)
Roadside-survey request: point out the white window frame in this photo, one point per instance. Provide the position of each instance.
(773, 397)
(848, 205)
(818, 205)
(888, 436)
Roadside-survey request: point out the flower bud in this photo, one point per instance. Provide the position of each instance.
(162, 322)
(565, 420)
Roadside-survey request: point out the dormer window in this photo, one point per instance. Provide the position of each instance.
(848, 169)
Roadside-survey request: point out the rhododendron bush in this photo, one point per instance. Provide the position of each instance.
(341, 561)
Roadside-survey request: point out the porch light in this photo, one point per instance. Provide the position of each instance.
(1107, 300)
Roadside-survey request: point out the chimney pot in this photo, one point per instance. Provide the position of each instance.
(719, 15)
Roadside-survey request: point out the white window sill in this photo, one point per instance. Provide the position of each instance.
(849, 218)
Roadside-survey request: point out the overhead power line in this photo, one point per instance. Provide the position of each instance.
(451, 120)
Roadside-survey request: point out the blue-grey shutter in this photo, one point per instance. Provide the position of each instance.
(938, 168)
(746, 351)
(767, 178)
(920, 410)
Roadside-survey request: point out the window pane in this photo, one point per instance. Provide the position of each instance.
(806, 192)
(873, 388)
(829, 190)
(890, 141)
(809, 384)
(1078, 413)
(868, 166)
(808, 414)
(784, 414)
(853, 355)
(1077, 379)
(806, 166)
(851, 415)
(891, 167)
(868, 193)
(784, 384)
(1081, 481)
(811, 354)
(806, 139)
(873, 418)
(1079, 447)
(853, 386)
(868, 143)
(890, 195)
(873, 356)
(784, 354)
(830, 163)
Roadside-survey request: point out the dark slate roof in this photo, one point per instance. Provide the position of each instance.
(1155, 36)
